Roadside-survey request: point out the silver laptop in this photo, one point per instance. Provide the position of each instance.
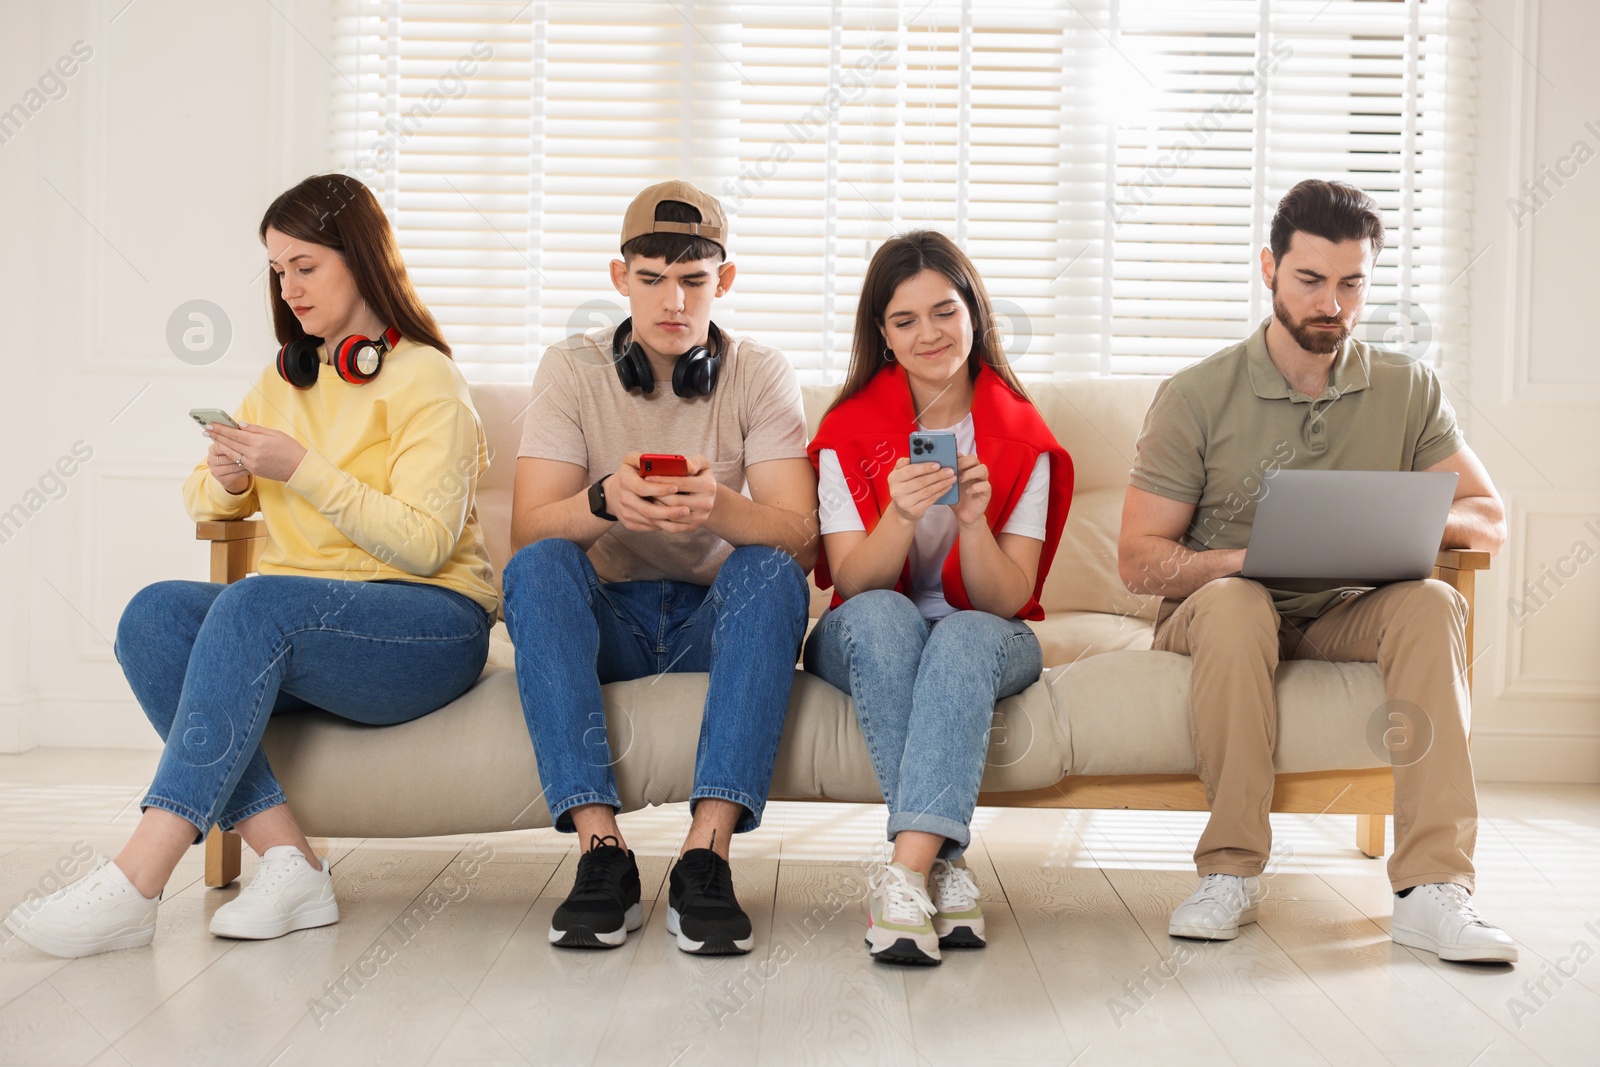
(1360, 526)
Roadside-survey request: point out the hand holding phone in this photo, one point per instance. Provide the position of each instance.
(938, 446)
(972, 476)
(662, 491)
(919, 480)
(695, 485)
(227, 468)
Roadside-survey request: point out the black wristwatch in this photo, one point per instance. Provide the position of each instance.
(597, 500)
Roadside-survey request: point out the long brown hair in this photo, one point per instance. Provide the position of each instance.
(339, 212)
(905, 256)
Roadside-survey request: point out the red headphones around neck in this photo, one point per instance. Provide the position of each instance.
(356, 359)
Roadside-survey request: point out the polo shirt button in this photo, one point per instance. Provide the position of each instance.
(1317, 428)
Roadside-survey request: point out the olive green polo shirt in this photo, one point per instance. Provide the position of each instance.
(1217, 431)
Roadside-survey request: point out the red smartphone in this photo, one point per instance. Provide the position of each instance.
(663, 465)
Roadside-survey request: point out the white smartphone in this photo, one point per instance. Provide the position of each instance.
(206, 416)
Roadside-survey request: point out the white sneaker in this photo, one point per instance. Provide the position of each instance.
(1439, 917)
(957, 919)
(1216, 910)
(100, 912)
(287, 894)
(899, 929)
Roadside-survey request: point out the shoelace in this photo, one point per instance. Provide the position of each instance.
(270, 875)
(1460, 903)
(93, 890)
(956, 889)
(903, 903)
(707, 879)
(595, 870)
(1222, 889)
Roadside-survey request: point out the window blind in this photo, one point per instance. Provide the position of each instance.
(1110, 165)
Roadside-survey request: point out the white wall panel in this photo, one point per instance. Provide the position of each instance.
(1535, 380)
(141, 189)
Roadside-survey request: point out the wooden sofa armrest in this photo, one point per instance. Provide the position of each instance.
(235, 550)
(235, 546)
(1462, 559)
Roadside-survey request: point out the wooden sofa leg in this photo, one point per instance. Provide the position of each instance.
(1369, 834)
(222, 858)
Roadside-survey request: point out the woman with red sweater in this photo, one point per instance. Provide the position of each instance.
(926, 629)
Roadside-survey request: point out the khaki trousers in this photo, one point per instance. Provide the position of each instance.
(1414, 631)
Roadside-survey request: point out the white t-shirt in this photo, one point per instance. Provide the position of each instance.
(936, 532)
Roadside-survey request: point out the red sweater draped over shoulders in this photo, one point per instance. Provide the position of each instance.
(872, 430)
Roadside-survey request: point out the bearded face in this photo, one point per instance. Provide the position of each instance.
(1318, 288)
(1319, 334)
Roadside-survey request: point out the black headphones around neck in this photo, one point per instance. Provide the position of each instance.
(695, 373)
(357, 359)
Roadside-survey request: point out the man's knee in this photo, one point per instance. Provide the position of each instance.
(1234, 606)
(757, 571)
(1234, 595)
(1432, 602)
(542, 564)
(763, 562)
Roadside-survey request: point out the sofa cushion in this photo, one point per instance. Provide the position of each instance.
(1068, 636)
(469, 767)
(1128, 713)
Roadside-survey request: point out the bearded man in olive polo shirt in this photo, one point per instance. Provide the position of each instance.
(1302, 393)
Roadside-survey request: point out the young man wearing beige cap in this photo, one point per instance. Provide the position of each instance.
(1301, 393)
(625, 572)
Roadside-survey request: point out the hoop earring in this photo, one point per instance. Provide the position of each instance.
(888, 355)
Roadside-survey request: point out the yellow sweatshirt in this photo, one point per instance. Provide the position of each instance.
(386, 490)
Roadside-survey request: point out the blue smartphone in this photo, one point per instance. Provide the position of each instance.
(937, 446)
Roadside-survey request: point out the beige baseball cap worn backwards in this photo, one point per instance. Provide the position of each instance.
(640, 218)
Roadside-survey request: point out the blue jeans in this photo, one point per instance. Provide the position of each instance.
(220, 660)
(574, 634)
(925, 695)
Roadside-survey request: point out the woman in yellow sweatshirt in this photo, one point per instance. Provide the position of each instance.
(374, 596)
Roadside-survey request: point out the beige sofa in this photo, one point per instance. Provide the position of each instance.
(1107, 725)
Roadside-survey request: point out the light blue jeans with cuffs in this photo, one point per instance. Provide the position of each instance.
(924, 693)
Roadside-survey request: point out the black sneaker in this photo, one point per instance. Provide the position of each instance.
(604, 903)
(701, 908)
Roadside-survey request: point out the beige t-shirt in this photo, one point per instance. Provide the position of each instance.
(1217, 429)
(582, 414)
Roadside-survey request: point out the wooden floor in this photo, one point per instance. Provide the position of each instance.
(441, 956)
